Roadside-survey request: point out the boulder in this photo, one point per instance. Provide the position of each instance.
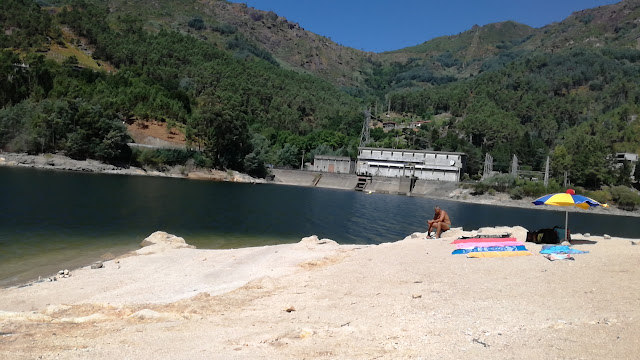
(313, 241)
(455, 232)
(161, 241)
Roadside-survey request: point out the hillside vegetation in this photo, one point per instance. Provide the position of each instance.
(582, 103)
(237, 110)
(250, 87)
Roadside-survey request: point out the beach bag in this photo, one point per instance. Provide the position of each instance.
(544, 236)
(561, 234)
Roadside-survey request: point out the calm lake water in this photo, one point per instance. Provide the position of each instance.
(51, 220)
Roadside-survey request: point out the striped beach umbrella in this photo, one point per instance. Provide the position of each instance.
(568, 198)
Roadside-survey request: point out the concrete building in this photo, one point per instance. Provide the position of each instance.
(333, 164)
(389, 125)
(423, 164)
(632, 158)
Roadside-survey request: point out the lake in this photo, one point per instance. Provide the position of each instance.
(51, 220)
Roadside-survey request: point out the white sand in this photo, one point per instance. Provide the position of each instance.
(405, 300)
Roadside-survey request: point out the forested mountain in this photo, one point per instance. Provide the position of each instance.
(246, 31)
(584, 101)
(235, 109)
(249, 87)
(605, 26)
(492, 46)
(464, 54)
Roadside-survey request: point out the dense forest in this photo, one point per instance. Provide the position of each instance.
(579, 106)
(241, 109)
(239, 112)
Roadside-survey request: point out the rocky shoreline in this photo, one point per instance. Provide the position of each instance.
(60, 162)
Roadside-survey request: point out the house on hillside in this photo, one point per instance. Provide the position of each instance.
(632, 158)
(389, 125)
(419, 123)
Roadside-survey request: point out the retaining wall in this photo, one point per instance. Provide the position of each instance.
(381, 185)
(338, 181)
(294, 177)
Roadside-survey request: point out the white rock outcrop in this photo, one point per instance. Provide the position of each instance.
(517, 232)
(312, 242)
(161, 241)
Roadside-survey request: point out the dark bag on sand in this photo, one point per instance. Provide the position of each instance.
(544, 236)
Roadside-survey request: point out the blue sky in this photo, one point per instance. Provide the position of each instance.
(384, 25)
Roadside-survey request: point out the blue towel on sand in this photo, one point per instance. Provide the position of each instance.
(489, 248)
(560, 249)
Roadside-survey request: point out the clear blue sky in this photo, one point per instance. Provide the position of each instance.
(384, 25)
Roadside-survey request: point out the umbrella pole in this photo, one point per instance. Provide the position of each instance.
(566, 226)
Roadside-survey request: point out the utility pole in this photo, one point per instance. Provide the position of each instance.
(546, 174)
(488, 166)
(514, 166)
(302, 162)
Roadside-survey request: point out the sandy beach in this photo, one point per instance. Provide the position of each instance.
(316, 299)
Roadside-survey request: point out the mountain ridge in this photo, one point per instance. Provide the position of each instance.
(458, 56)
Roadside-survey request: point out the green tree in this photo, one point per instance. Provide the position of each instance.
(196, 23)
(14, 80)
(225, 136)
(625, 198)
(288, 156)
(561, 161)
(254, 162)
(623, 174)
(71, 60)
(589, 167)
(113, 146)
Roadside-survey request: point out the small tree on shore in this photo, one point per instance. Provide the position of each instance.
(625, 198)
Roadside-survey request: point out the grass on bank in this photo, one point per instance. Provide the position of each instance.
(624, 197)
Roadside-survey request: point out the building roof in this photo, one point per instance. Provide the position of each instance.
(627, 155)
(414, 151)
(330, 157)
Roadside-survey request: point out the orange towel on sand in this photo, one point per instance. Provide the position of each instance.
(498, 254)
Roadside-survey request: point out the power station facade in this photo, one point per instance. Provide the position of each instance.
(420, 164)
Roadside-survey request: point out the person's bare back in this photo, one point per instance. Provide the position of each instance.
(441, 222)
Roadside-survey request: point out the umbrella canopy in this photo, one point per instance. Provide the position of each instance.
(568, 199)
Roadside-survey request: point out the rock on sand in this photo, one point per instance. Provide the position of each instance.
(161, 241)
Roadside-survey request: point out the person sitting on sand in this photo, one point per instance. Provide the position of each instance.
(440, 222)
